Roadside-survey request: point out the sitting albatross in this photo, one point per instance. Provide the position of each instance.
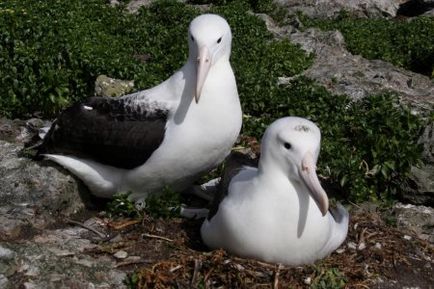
(163, 136)
(278, 212)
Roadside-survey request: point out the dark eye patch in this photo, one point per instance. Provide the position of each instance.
(219, 40)
(287, 145)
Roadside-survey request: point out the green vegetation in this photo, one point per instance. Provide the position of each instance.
(408, 44)
(51, 53)
(121, 206)
(367, 147)
(165, 205)
(326, 279)
(132, 280)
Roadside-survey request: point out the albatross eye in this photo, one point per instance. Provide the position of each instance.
(287, 145)
(192, 38)
(219, 40)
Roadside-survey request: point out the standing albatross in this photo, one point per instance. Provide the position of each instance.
(163, 136)
(278, 212)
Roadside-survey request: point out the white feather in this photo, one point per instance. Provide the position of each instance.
(268, 213)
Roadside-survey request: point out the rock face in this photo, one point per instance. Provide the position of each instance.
(110, 87)
(57, 259)
(31, 193)
(330, 9)
(419, 219)
(34, 197)
(370, 8)
(344, 73)
(422, 187)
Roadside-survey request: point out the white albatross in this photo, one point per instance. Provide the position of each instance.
(163, 136)
(278, 212)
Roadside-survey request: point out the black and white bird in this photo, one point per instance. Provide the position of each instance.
(163, 136)
(277, 212)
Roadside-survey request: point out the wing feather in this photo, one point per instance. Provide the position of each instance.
(112, 131)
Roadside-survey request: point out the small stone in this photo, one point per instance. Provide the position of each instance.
(340, 251)
(307, 280)
(120, 254)
(28, 285)
(352, 245)
(3, 281)
(6, 254)
(133, 259)
(406, 237)
(378, 246)
(361, 246)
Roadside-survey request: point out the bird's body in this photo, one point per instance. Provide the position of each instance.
(159, 137)
(269, 213)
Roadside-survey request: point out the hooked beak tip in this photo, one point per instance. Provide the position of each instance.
(310, 178)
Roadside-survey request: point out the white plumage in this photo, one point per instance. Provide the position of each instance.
(164, 136)
(278, 212)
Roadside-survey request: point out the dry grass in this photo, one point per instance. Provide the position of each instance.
(170, 254)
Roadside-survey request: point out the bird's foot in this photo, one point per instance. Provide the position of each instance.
(194, 213)
(205, 191)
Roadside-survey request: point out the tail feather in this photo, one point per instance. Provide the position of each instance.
(104, 181)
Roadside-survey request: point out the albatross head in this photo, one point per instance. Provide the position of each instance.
(292, 144)
(209, 40)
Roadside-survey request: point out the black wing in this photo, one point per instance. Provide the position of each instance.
(112, 131)
(233, 164)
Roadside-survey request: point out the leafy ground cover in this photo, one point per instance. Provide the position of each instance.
(51, 52)
(405, 43)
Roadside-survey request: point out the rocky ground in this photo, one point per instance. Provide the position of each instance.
(53, 234)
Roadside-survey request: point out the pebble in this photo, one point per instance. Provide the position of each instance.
(361, 246)
(3, 281)
(352, 245)
(120, 254)
(307, 280)
(6, 254)
(407, 237)
(378, 246)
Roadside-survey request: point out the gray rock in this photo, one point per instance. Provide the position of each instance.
(427, 139)
(33, 194)
(6, 254)
(331, 9)
(60, 259)
(418, 219)
(134, 5)
(110, 87)
(344, 73)
(421, 189)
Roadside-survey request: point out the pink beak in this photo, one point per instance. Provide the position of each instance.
(310, 178)
(203, 66)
